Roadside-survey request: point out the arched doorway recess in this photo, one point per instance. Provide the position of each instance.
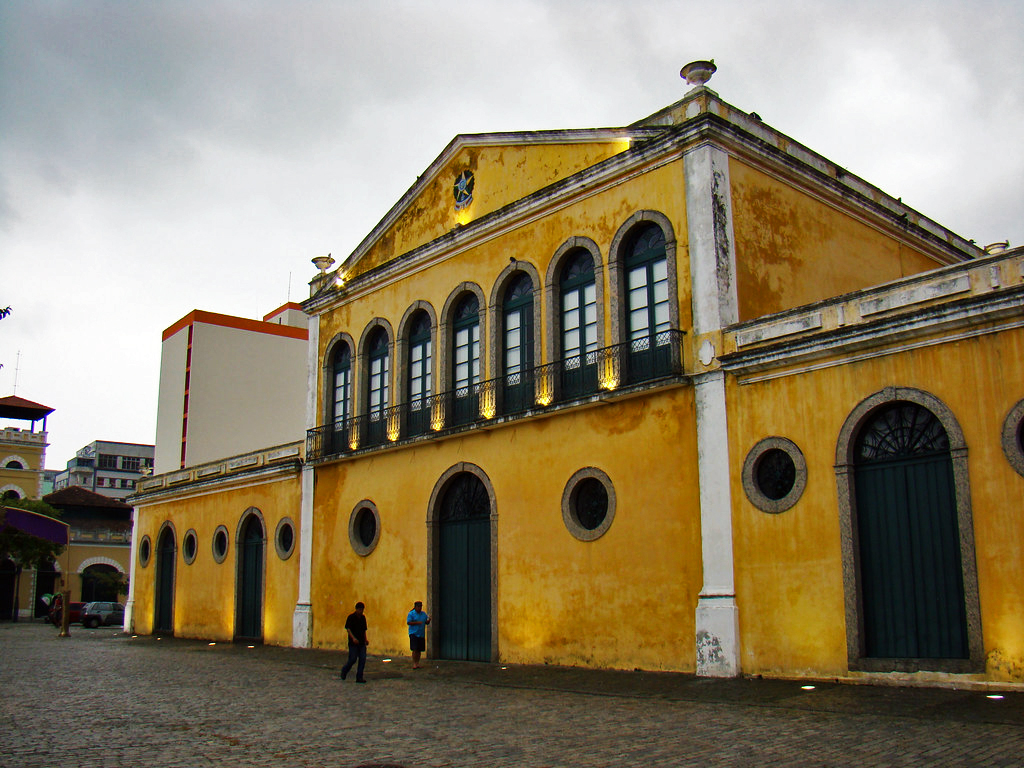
(907, 536)
(462, 541)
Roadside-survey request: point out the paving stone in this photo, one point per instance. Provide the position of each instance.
(101, 698)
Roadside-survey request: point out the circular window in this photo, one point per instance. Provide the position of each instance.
(588, 504)
(774, 474)
(190, 546)
(145, 551)
(284, 538)
(1013, 437)
(220, 544)
(364, 528)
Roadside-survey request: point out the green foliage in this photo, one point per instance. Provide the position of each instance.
(24, 550)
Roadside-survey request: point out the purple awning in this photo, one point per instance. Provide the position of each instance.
(34, 524)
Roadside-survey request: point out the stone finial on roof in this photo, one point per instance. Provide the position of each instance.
(698, 72)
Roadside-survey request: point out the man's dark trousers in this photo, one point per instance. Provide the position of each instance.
(355, 652)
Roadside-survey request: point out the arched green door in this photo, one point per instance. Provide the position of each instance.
(250, 581)
(464, 591)
(909, 539)
(163, 619)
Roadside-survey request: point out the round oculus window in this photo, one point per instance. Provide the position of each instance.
(284, 539)
(145, 551)
(220, 544)
(364, 528)
(588, 504)
(190, 546)
(774, 474)
(1013, 437)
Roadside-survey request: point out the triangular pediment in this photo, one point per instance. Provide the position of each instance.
(475, 176)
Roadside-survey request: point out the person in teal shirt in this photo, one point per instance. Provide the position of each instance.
(417, 621)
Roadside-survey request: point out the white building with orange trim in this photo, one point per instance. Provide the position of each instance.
(220, 377)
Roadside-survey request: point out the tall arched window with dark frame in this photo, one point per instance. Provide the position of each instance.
(377, 391)
(648, 318)
(517, 344)
(578, 321)
(419, 384)
(341, 367)
(466, 360)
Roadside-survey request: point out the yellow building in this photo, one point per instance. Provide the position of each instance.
(682, 395)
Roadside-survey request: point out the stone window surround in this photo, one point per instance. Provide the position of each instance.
(401, 360)
(220, 557)
(496, 310)
(327, 375)
(844, 469)
(552, 295)
(362, 368)
(190, 536)
(363, 550)
(569, 517)
(434, 540)
(444, 366)
(282, 552)
(750, 486)
(145, 551)
(1011, 437)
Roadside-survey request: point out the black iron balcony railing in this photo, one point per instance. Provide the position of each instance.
(573, 378)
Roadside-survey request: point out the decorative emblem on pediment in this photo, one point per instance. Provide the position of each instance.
(463, 190)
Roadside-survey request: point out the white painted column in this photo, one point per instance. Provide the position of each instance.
(133, 557)
(302, 619)
(715, 305)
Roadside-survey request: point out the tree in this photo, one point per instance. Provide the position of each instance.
(25, 550)
(4, 312)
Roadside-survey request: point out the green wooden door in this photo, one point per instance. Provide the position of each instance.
(463, 625)
(250, 582)
(910, 562)
(163, 619)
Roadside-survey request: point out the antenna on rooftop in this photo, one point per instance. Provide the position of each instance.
(17, 367)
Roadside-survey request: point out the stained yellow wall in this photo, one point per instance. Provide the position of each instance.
(789, 566)
(792, 249)
(502, 175)
(624, 600)
(204, 603)
(597, 218)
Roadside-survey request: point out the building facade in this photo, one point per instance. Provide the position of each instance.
(22, 449)
(590, 392)
(218, 376)
(108, 468)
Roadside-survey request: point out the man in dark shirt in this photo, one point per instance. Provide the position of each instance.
(355, 625)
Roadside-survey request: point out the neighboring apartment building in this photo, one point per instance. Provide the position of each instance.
(230, 384)
(686, 372)
(108, 468)
(99, 554)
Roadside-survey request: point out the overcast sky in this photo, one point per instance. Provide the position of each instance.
(160, 157)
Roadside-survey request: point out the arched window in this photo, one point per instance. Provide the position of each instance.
(466, 359)
(578, 291)
(379, 373)
(419, 368)
(517, 344)
(342, 398)
(647, 302)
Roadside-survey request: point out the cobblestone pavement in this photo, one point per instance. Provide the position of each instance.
(100, 698)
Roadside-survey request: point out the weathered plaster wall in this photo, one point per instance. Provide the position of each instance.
(205, 590)
(793, 249)
(624, 600)
(789, 565)
(502, 175)
(597, 218)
